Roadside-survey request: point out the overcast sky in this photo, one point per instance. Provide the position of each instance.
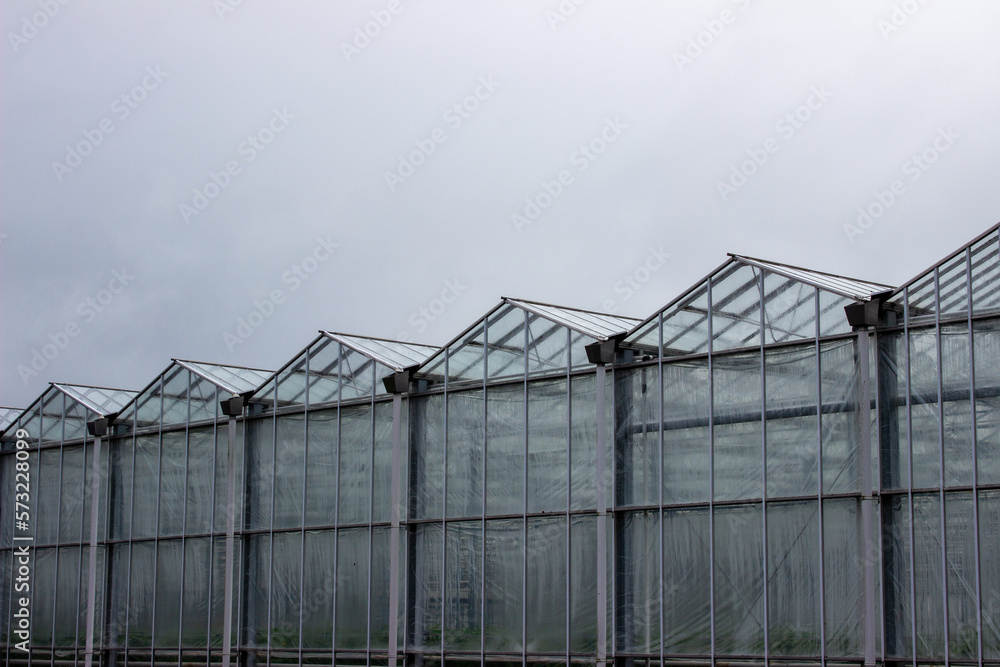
(169, 168)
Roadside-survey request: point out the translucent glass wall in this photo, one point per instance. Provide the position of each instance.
(57, 479)
(740, 455)
(939, 371)
(168, 458)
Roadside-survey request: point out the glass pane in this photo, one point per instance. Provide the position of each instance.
(463, 583)
(67, 598)
(685, 326)
(321, 469)
(75, 420)
(896, 575)
(987, 357)
(201, 497)
(637, 436)
(352, 588)
(175, 395)
(895, 450)
(928, 594)
(382, 455)
(43, 596)
(792, 425)
(920, 300)
(548, 456)
(427, 452)
(357, 375)
(546, 584)
(638, 582)
(986, 275)
(203, 399)
(789, 309)
(47, 504)
(686, 443)
(956, 367)
(169, 575)
(222, 475)
(843, 562)
(924, 415)
(318, 590)
(686, 582)
(583, 584)
(197, 591)
(324, 371)
(737, 418)
(548, 346)
(286, 571)
(355, 464)
(145, 485)
(504, 449)
(289, 469)
(425, 581)
(255, 606)
(963, 639)
(989, 559)
(739, 580)
(841, 464)
(953, 285)
(465, 357)
(832, 319)
(140, 599)
(736, 307)
(380, 573)
(583, 445)
(506, 340)
(292, 383)
(504, 584)
(71, 515)
(173, 466)
(793, 578)
(52, 415)
(465, 453)
(260, 472)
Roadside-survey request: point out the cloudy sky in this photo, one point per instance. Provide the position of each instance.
(172, 168)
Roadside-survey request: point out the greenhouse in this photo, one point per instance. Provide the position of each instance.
(781, 466)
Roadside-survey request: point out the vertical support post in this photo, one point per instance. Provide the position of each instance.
(98, 428)
(397, 411)
(230, 408)
(867, 501)
(602, 521)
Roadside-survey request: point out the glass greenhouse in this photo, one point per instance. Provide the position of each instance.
(781, 466)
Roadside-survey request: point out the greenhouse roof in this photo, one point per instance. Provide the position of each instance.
(599, 326)
(100, 400)
(234, 379)
(8, 416)
(859, 290)
(395, 354)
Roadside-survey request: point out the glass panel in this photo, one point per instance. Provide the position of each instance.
(221, 475)
(47, 504)
(504, 585)
(986, 339)
(963, 639)
(140, 599)
(67, 598)
(583, 445)
(894, 447)
(321, 469)
(647, 339)
(953, 285)
(955, 371)
(843, 562)
(792, 448)
(638, 582)
(318, 590)
(7, 489)
(463, 583)
(258, 568)
(324, 372)
(289, 469)
(637, 436)
(52, 414)
(685, 326)
(793, 578)
(43, 596)
(201, 497)
(928, 594)
(197, 592)
(505, 443)
(292, 383)
(839, 372)
(789, 309)
(832, 319)
(75, 421)
(173, 466)
(425, 577)
(737, 418)
(145, 485)
(352, 589)
(380, 573)
(686, 444)
(203, 399)
(118, 582)
(355, 464)
(739, 580)
(218, 611)
(920, 298)
(548, 346)
(175, 394)
(357, 375)
(169, 575)
(583, 584)
(465, 357)
(260, 470)
(896, 575)
(6, 591)
(465, 453)
(924, 415)
(71, 498)
(546, 584)
(505, 357)
(286, 564)
(735, 307)
(427, 452)
(985, 274)
(686, 582)
(989, 559)
(548, 431)
(382, 475)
